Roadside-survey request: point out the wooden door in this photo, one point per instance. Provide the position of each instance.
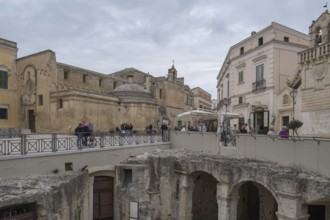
(103, 198)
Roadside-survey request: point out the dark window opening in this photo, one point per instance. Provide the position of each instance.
(68, 166)
(285, 120)
(242, 50)
(66, 75)
(260, 41)
(240, 100)
(160, 93)
(114, 84)
(84, 78)
(100, 82)
(25, 211)
(316, 212)
(41, 101)
(60, 103)
(286, 39)
(3, 113)
(128, 176)
(3, 79)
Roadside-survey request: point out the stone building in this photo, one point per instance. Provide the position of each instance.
(313, 80)
(202, 98)
(9, 101)
(252, 79)
(44, 95)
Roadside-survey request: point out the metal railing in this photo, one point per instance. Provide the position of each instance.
(259, 85)
(47, 143)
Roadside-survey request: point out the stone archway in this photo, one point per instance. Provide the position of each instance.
(204, 201)
(255, 202)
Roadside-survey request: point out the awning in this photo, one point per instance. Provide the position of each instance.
(231, 115)
(201, 114)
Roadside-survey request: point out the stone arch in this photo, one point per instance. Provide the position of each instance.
(204, 192)
(255, 201)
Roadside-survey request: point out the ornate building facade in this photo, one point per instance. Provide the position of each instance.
(252, 79)
(44, 95)
(313, 79)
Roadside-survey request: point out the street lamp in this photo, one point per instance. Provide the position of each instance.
(225, 126)
(293, 94)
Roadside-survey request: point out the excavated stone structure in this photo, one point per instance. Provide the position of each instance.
(181, 184)
(45, 197)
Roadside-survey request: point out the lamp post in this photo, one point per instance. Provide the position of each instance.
(293, 94)
(225, 126)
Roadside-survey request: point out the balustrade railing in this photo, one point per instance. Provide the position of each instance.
(314, 53)
(47, 143)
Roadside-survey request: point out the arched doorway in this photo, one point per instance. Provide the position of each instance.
(255, 203)
(204, 204)
(103, 198)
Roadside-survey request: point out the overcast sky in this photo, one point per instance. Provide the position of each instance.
(109, 35)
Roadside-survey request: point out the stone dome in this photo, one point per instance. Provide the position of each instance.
(129, 88)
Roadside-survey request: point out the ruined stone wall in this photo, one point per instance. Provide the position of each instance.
(164, 183)
(60, 196)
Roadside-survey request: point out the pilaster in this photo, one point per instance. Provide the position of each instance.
(185, 198)
(227, 205)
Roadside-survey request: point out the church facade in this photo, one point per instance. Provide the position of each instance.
(44, 95)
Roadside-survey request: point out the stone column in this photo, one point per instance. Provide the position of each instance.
(290, 207)
(227, 205)
(185, 198)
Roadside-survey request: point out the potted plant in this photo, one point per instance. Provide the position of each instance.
(294, 125)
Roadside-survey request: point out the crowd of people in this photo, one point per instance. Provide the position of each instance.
(84, 131)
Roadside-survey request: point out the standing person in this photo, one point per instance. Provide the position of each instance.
(284, 132)
(86, 133)
(79, 133)
(90, 127)
(164, 129)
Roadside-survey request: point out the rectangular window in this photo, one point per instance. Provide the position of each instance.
(259, 84)
(4, 113)
(260, 41)
(285, 120)
(66, 75)
(228, 88)
(160, 93)
(3, 79)
(114, 84)
(240, 100)
(240, 77)
(242, 50)
(286, 39)
(100, 82)
(41, 101)
(60, 104)
(84, 78)
(128, 177)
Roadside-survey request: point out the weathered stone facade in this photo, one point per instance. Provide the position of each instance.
(313, 79)
(181, 184)
(48, 96)
(53, 196)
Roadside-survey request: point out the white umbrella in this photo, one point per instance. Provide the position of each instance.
(198, 114)
(231, 115)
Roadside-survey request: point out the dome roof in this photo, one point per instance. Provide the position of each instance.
(129, 88)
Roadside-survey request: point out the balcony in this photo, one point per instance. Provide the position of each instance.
(314, 53)
(258, 85)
